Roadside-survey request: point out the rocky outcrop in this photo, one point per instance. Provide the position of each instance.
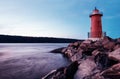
(97, 59)
(64, 72)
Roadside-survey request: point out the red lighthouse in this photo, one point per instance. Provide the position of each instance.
(96, 25)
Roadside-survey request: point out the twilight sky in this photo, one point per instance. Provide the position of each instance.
(57, 18)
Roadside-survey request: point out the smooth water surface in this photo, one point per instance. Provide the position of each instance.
(29, 61)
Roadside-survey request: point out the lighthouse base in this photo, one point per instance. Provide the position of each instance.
(95, 39)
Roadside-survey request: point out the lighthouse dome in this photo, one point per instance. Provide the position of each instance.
(96, 12)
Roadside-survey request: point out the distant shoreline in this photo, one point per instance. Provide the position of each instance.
(26, 39)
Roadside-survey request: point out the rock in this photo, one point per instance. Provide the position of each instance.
(71, 70)
(59, 50)
(76, 57)
(96, 52)
(97, 76)
(117, 46)
(70, 45)
(56, 74)
(106, 39)
(75, 45)
(110, 46)
(70, 52)
(118, 40)
(98, 44)
(85, 68)
(113, 72)
(64, 49)
(63, 72)
(115, 55)
(101, 60)
(87, 41)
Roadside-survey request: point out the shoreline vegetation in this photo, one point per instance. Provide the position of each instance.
(90, 60)
(26, 39)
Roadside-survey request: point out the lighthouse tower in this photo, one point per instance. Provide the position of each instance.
(96, 25)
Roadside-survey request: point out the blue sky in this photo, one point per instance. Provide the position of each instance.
(57, 18)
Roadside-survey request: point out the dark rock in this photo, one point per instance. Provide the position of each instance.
(59, 50)
(97, 76)
(111, 63)
(64, 72)
(56, 74)
(71, 70)
(113, 72)
(101, 60)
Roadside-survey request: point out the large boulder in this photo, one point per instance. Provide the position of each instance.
(108, 43)
(71, 70)
(113, 72)
(101, 58)
(115, 55)
(86, 68)
(63, 72)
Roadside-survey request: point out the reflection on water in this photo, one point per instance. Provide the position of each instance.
(29, 61)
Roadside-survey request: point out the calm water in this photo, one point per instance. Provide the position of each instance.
(29, 61)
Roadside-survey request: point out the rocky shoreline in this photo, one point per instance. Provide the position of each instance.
(90, 60)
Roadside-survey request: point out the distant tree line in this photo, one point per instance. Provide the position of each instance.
(25, 39)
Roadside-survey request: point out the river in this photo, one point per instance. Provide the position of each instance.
(29, 60)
